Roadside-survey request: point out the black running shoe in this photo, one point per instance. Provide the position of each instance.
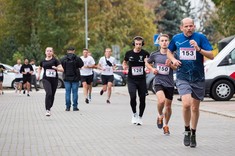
(187, 135)
(28, 95)
(75, 109)
(193, 142)
(24, 92)
(87, 101)
(108, 102)
(67, 109)
(101, 92)
(159, 122)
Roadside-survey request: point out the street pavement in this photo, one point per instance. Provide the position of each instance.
(101, 129)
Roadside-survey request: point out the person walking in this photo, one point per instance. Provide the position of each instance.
(163, 83)
(190, 47)
(86, 73)
(27, 70)
(33, 76)
(135, 63)
(18, 76)
(50, 65)
(2, 68)
(107, 64)
(71, 64)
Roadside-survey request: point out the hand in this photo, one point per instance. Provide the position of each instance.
(54, 67)
(168, 62)
(194, 44)
(154, 70)
(125, 67)
(177, 63)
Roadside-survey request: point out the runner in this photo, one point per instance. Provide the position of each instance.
(86, 73)
(2, 68)
(107, 64)
(50, 77)
(26, 69)
(33, 76)
(190, 47)
(18, 76)
(163, 82)
(136, 77)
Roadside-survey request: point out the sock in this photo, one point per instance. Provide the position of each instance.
(193, 131)
(187, 128)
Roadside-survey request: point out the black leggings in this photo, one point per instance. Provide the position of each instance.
(50, 87)
(133, 87)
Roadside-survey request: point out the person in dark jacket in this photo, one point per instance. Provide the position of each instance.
(71, 64)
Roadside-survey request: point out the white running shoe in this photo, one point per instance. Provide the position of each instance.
(48, 113)
(139, 121)
(134, 118)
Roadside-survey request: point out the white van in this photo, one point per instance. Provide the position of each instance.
(220, 74)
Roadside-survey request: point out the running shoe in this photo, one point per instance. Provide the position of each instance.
(89, 96)
(160, 122)
(193, 142)
(24, 92)
(101, 92)
(28, 95)
(48, 113)
(134, 118)
(108, 102)
(67, 109)
(87, 101)
(187, 135)
(166, 130)
(139, 121)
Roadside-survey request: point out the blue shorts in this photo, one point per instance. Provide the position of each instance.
(196, 89)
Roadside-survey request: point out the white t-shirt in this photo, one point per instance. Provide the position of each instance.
(107, 70)
(16, 68)
(88, 61)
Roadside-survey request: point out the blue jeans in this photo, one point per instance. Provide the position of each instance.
(71, 86)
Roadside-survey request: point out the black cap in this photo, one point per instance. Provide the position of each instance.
(71, 48)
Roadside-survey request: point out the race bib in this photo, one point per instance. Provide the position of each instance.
(27, 70)
(1, 74)
(187, 54)
(137, 70)
(50, 73)
(163, 69)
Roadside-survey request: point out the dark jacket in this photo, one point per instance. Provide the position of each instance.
(71, 64)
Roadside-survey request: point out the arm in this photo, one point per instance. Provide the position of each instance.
(205, 53)
(150, 67)
(124, 65)
(175, 62)
(58, 68)
(39, 72)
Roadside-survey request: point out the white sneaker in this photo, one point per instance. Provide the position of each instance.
(134, 118)
(139, 121)
(48, 113)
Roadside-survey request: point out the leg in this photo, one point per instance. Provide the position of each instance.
(110, 84)
(161, 101)
(194, 113)
(142, 96)
(132, 88)
(75, 86)
(67, 94)
(168, 111)
(48, 89)
(54, 85)
(186, 100)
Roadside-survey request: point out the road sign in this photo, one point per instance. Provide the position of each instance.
(155, 39)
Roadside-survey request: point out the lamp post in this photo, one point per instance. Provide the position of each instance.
(86, 25)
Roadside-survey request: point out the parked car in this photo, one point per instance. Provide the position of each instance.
(220, 74)
(9, 76)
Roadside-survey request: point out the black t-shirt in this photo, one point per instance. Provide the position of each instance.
(26, 68)
(136, 63)
(1, 71)
(49, 72)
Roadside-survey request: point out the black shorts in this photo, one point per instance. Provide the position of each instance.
(27, 79)
(1, 79)
(19, 80)
(88, 79)
(107, 78)
(168, 91)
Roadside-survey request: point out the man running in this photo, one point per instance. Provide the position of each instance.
(107, 64)
(27, 70)
(163, 82)
(190, 47)
(86, 73)
(134, 62)
(18, 76)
